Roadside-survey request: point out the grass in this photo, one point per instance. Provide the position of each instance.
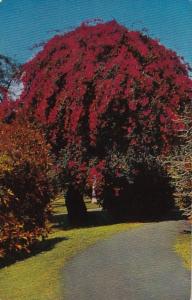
(38, 277)
(183, 248)
(60, 207)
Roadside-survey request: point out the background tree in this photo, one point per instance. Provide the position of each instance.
(104, 88)
(9, 71)
(10, 84)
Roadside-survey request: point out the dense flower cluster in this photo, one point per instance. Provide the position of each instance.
(104, 87)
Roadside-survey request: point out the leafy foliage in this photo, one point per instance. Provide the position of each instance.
(179, 166)
(25, 186)
(136, 186)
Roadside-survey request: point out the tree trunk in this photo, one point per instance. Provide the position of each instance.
(94, 198)
(75, 206)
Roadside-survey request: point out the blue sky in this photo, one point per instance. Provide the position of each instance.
(26, 22)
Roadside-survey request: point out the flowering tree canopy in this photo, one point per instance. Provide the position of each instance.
(103, 87)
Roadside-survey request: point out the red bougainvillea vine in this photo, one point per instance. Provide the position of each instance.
(104, 87)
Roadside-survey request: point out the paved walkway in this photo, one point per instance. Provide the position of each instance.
(139, 264)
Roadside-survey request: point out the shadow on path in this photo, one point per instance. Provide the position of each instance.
(102, 217)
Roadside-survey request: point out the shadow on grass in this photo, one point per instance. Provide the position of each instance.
(94, 219)
(58, 205)
(39, 247)
(102, 218)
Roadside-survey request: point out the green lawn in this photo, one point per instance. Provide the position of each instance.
(38, 277)
(59, 205)
(183, 248)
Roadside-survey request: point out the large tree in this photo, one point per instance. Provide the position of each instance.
(100, 90)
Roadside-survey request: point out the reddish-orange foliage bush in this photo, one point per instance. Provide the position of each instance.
(25, 186)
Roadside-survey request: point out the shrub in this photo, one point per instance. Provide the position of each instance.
(179, 167)
(140, 187)
(25, 186)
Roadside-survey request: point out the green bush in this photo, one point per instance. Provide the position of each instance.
(179, 166)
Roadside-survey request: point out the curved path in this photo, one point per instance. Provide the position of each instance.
(138, 264)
